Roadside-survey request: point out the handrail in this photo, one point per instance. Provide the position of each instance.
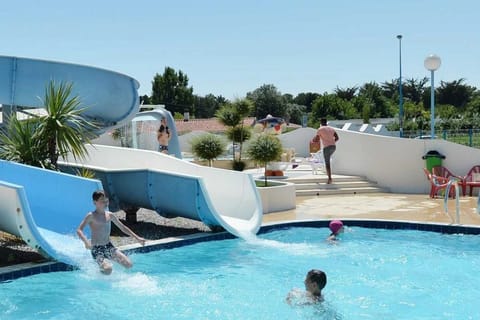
(478, 203)
(454, 182)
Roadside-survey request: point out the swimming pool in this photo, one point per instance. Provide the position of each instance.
(372, 274)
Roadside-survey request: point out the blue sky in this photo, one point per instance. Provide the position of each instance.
(231, 47)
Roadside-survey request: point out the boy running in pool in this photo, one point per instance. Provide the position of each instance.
(99, 222)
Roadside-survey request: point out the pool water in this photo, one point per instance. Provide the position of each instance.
(372, 274)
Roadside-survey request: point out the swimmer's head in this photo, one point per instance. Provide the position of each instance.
(336, 226)
(315, 281)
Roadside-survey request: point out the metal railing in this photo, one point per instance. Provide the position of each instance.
(453, 182)
(468, 137)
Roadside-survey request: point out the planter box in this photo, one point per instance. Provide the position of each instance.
(280, 196)
(225, 164)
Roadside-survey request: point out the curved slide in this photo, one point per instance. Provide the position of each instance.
(173, 187)
(45, 207)
(110, 97)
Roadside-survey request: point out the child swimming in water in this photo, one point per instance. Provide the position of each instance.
(336, 227)
(314, 282)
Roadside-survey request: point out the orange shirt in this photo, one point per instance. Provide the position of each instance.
(327, 135)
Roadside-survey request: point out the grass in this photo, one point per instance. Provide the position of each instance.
(464, 139)
(461, 137)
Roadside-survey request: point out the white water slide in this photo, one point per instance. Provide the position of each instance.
(110, 98)
(173, 187)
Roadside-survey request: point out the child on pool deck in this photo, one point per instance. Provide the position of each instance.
(315, 281)
(99, 222)
(336, 227)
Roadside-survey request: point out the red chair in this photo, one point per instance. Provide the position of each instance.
(472, 180)
(441, 171)
(438, 183)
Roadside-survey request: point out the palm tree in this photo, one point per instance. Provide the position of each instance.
(346, 93)
(456, 93)
(40, 141)
(64, 129)
(414, 88)
(20, 143)
(232, 115)
(390, 89)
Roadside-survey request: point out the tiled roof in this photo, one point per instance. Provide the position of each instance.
(209, 125)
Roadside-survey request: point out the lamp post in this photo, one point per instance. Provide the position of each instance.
(432, 63)
(400, 91)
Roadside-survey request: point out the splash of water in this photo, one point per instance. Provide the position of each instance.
(68, 248)
(292, 248)
(137, 283)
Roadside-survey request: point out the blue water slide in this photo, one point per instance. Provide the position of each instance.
(174, 187)
(45, 207)
(110, 97)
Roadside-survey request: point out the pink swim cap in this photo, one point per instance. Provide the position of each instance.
(335, 225)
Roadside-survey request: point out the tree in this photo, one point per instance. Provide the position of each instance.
(329, 105)
(264, 149)
(221, 100)
(381, 107)
(145, 99)
(228, 116)
(64, 128)
(413, 89)
(455, 93)
(446, 111)
(366, 113)
(306, 99)
(61, 131)
(267, 100)
(294, 113)
(287, 97)
(20, 143)
(413, 110)
(232, 115)
(205, 107)
(347, 93)
(390, 89)
(208, 147)
(473, 107)
(172, 90)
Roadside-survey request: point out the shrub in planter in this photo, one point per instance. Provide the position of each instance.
(208, 147)
(238, 165)
(265, 148)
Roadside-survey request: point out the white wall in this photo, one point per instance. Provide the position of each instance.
(393, 163)
(299, 140)
(185, 140)
(107, 140)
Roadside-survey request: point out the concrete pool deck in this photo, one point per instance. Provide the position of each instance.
(388, 206)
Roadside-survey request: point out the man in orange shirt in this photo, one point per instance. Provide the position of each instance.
(328, 137)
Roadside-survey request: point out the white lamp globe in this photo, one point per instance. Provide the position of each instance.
(432, 62)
